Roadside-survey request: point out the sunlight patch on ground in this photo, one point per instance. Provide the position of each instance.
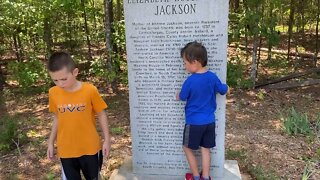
(276, 123)
(32, 133)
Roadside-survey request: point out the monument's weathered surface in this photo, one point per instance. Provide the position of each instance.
(156, 30)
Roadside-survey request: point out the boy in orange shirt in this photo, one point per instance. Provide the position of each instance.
(74, 105)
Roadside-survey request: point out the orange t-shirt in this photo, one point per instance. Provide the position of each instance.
(77, 134)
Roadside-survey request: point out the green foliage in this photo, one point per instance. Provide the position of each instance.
(235, 75)
(50, 176)
(29, 73)
(119, 61)
(99, 68)
(8, 132)
(118, 37)
(117, 130)
(296, 123)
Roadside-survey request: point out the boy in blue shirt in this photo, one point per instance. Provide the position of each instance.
(199, 90)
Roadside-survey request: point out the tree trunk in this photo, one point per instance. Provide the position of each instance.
(246, 32)
(259, 54)
(94, 16)
(108, 8)
(119, 10)
(48, 36)
(254, 60)
(290, 24)
(3, 109)
(2, 79)
(95, 29)
(317, 36)
(16, 46)
(108, 26)
(234, 5)
(303, 23)
(86, 28)
(271, 28)
(69, 32)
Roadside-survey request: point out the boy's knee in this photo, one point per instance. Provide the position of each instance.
(186, 149)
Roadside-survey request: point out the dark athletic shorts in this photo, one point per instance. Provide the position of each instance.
(90, 165)
(199, 135)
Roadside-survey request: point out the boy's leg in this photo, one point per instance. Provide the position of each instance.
(192, 136)
(207, 142)
(70, 168)
(206, 161)
(192, 161)
(91, 165)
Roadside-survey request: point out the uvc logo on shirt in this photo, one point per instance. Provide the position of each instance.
(71, 108)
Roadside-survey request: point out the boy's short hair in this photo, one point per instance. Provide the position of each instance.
(195, 51)
(59, 60)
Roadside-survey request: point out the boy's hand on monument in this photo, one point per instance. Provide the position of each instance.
(229, 90)
(50, 152)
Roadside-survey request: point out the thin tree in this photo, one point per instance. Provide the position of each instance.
(290, 24)
(108, 26)
(119, 10)
(86, 28)
(47, 37)
(317, 34)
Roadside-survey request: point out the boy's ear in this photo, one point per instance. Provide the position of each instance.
(75, 72)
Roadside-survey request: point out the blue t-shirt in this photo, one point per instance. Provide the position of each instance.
(199, 90)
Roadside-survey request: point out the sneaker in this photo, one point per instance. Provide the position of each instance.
(203, 178)
(189, 176)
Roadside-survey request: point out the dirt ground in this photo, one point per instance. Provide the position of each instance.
(253, 130)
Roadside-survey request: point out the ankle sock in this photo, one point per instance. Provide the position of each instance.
(196, 177)
(206, 178)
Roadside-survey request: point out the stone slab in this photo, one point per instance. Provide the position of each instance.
(231, 172)
(156, 30)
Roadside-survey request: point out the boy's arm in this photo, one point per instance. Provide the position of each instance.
(52, 138)
(178, 95)
(103, 121)
(220, 87)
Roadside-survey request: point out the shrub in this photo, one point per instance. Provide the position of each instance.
(235, 75)
(98, 67)
(8, 132)
(28, 73)
(296, 123)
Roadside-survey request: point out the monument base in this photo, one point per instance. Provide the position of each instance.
(231, 172)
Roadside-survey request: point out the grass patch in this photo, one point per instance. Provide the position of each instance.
(117, 130)
(296, 123)
(247, 166)
(308, 170)
(260, 174)
(50, 176)
(239, 155)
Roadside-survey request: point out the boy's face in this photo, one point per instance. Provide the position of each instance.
(64, 78)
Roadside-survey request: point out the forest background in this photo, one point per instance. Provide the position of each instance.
(273, 111)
